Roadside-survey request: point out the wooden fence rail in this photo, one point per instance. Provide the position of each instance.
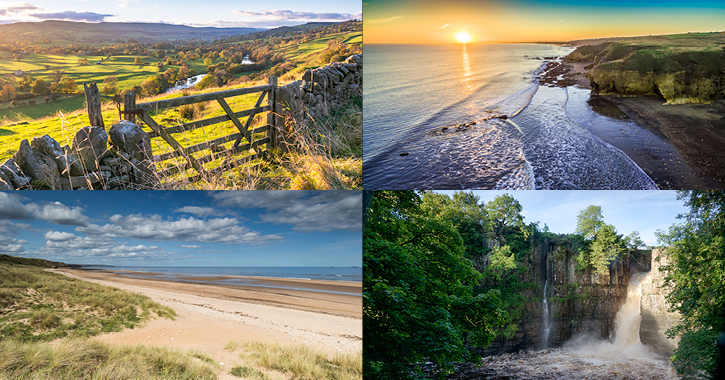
(131, 110)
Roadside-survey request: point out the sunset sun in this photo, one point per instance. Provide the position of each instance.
(463, 37)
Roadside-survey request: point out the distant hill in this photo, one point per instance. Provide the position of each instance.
(112, 31)
(13, 260)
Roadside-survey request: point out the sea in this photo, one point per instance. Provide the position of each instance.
(473, 117)
(208, 274)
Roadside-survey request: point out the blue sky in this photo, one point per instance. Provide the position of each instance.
(184, 228)
(218, 13)
(627, 211)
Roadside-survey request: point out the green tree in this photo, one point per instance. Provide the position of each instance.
(696, 250)
(418, 299)
(606, 247)
(467, 215)
(208, 62)
(504, 212)
(589, 221)
(40, 87)
(633, 241)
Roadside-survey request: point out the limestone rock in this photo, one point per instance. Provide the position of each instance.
(129, 138)
(89, 144)
(37, 165)
(12, 172)
(66, 162)
(5, 183)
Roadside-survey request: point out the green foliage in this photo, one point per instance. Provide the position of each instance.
(418, 301)
(695, 275)
(466, 214)
(502, 260)
(589, 221)
(504, 212)
(633, 241)
(607, 246)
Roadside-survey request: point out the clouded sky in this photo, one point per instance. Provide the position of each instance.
(184, 228)
(219, 13)
(433, 21)
(627, 211)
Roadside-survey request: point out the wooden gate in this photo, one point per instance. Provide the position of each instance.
(214, 147)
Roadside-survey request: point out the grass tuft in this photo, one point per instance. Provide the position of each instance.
(301, 362)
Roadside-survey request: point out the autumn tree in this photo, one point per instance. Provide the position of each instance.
(110, 84)
(8, 92)
(137, 61)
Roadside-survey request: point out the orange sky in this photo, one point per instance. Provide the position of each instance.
(406, 21)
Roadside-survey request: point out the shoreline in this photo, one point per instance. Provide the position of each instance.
(344, 305)
(209, 322)
(692, 136)
(326, 286)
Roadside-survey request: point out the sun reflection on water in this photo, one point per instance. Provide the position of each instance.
(467, 74)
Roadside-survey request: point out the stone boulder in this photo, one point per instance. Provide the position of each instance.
(14, 174)
(37, 165)
(5, 182)
(89, 144)
(129, 138)
(68, 164)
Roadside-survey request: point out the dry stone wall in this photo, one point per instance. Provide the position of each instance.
(319, 91)
(119, 159)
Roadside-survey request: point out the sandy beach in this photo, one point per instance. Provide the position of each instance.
(210, 316)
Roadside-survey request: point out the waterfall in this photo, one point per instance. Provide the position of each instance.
(628, 318)
(547, 320)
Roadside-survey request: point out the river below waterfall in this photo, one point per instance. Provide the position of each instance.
(583, 357)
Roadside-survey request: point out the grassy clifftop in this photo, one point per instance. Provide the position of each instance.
(683, 68)
(13, 260)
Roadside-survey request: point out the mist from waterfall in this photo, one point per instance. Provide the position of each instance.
(587, 357)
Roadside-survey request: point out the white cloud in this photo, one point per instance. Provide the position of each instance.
(11, 207)
(59, 213)
(58, 236)
(200, 211)
(190, 246)
(444, 26)
(307, 211)
(218, 230)
(286, 14)
(383, 20)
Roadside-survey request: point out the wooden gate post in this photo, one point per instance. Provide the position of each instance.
(272, 131)
(93, 101)
(129, 104)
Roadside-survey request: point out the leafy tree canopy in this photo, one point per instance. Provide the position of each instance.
(589, 221)
(418, 301)
(696, 274)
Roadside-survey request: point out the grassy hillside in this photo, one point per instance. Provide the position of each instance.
(13, 260)
(682, 68)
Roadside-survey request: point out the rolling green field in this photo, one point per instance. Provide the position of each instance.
(299, 52)
(128, 74)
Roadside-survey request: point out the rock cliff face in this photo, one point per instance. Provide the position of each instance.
(678, 72)
(656, 318)
(579, 302)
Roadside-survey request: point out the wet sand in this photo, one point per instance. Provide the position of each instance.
(276, 293)
(689, 149)
(210, 316)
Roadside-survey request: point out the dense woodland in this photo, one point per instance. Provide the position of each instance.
(434, 290)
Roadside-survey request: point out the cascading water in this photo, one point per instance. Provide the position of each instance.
(547, 320)
(585, 357)
(628, 319)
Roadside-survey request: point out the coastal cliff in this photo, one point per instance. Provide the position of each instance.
(680, 68)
